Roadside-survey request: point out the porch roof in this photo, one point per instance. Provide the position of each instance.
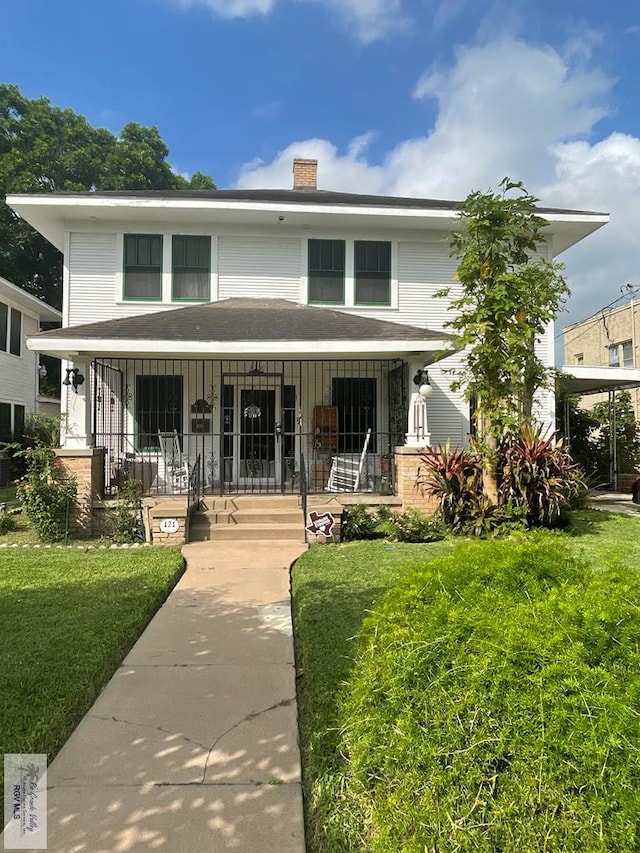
(243, 326)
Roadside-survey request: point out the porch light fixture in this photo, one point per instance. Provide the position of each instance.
(42, 370)
(74, 378)
(421, 380)
(256, 371)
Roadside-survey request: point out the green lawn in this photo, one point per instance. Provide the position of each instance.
(67, 619)
(333, 588)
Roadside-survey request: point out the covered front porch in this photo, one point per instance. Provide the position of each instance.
(259, 426)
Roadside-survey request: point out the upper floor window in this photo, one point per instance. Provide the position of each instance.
(15, 332)
(10, 329)
(372, 272)
(579, 358)
(191, 268)
(4, 319)
(621, 355)
(326, 271)
(142, 266)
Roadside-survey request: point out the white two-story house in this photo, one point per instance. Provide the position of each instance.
(268, 331)
(21, 316)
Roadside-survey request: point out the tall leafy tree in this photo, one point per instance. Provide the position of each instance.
(47, 149)
(507, 297)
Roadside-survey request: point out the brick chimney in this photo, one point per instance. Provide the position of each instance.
(305, 174)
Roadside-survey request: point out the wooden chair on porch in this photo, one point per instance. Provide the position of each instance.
(346, 471)
(176, 472)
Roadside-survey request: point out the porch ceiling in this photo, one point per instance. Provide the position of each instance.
(242, 327)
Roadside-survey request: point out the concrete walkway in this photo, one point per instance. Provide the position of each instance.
(614, 502)
(192, 746)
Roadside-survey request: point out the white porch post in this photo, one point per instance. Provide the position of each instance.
(76, 406)
(418, 427)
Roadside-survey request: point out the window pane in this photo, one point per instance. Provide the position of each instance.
(142, 266)
(158, 407)
(356, 402)
(324, 288)
(326, 271)
(16, 332)
(190, 285)
(372, 291)
(627, 354)
(614, 356)
(4, 317)
(191, 262)
(143, 284)
(373, 272)
(5, 422)
(18, 422)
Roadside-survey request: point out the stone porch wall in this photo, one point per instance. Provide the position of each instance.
(406, 462)
(87, 467)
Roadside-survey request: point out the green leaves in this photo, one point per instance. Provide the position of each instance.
(47, 149)
(507, 299)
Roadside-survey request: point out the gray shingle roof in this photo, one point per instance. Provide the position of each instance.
(244, 319)
(300, 196)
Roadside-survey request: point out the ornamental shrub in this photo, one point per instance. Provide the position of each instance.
(44, 494)
(408, 526)
(357, 523)
(493, 706)
(127, 525)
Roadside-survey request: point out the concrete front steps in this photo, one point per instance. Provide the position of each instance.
(248, 517)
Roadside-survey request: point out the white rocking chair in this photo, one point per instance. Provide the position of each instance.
(176, 472)
(346, 472)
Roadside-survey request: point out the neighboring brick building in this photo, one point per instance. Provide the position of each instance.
(609, 339)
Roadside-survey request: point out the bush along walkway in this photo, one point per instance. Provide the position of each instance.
(193, 743)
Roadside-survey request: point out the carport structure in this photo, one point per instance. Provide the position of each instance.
(584, 380)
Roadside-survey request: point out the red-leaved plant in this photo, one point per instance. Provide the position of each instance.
(538, 474)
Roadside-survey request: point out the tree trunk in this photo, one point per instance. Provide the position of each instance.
(489, 446)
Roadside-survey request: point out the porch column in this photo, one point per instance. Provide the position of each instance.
(418, 434)
(76, 405)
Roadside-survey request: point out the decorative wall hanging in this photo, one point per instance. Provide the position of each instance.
(252, 411)
(201, 407)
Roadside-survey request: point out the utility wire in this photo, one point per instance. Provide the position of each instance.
(627, 291)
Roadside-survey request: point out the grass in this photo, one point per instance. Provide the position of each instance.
(333, 589)
(67, 619)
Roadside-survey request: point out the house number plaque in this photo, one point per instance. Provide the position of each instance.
(169, 525)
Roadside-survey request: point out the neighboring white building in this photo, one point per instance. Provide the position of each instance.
(20, 317)
(262, 326)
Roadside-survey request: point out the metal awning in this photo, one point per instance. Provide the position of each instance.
(584, 379)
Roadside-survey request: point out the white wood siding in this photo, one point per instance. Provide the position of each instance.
(18, 374)
(267, 267)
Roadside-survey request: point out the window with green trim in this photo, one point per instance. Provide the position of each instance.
(142, 266)
(15, 332)
(5, 422)
(191, 268)
(372, 272)
(4, 319)
(326, 271)
(18, 421)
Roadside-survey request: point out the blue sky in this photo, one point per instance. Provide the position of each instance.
(413, 97)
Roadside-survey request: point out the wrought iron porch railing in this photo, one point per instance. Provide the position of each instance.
(262, 463)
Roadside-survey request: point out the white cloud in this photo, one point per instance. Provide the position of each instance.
(507, 107)
(369, 20)
(348, 172)
(232, 8)
(366, 20)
